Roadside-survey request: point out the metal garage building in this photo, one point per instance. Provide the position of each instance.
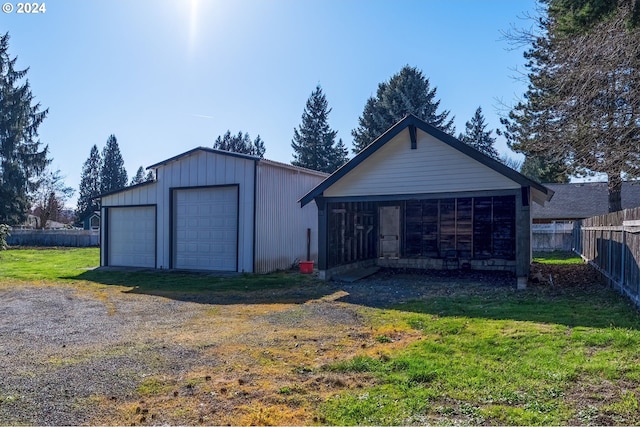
(212, 210)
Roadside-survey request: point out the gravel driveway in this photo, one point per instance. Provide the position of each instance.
(62, 347)
(74, 355)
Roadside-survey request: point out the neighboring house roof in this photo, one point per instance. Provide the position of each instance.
(584, 200)
(539, 192)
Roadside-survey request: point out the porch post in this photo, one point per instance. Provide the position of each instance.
(523, 237)
(322, 237)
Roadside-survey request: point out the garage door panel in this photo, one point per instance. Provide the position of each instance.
(206, 227)
(132, 239)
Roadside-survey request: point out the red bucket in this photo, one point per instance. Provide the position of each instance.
(306, 267)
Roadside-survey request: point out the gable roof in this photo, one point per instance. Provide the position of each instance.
(540, 193)
(584, 200)
(205, 149)
(214, 151)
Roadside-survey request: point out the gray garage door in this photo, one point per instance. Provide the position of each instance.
(206, 228)
(132, 236)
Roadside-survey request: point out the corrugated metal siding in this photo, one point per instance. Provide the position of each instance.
(434, 167)
(201, 168)
(143, 195)
(207, 169)
(281, 225)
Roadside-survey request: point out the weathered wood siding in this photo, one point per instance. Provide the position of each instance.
(434, 167)
(281, 225)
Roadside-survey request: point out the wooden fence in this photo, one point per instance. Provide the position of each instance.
(611, 243)
(63, 237)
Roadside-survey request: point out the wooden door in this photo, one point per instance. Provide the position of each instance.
(389, 232)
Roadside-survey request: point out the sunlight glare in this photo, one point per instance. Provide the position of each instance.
(193, 24)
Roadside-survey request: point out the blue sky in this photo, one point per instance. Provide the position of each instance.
(166, 76)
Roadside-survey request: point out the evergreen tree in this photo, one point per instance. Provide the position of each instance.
(240, 143)
(89, 184)
(150, 176)
(139, 178)
(22, 156)
(478, 137)
(313, 142)
(113, 175)
(408, 92)
(544, 170)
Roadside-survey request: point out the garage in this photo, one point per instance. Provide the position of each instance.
(132, 236)
(206, 228)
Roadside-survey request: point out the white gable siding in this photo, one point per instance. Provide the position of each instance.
(434, 167)
(281, 225)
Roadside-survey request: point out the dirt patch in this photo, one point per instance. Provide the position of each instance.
(577, 276)
(75, 355)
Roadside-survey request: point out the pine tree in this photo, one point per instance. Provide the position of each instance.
(89, 184)
(240, 143)
(22, 156)
(150, 176)
(478, 137)
(544, 170)
(313, 142)
(113, 175)
(139, 178)
(407, 92)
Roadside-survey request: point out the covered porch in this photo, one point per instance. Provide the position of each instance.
(475, 231)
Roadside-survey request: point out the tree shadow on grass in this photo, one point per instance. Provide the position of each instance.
(214, 288)
(452, 294)
(577, 298)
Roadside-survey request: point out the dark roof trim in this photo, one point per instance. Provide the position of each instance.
(205, 149)
(409, 121)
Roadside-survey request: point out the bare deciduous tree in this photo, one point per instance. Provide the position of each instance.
(583, 102)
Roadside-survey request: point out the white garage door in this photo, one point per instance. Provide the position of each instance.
(206, 228)
(132, 236)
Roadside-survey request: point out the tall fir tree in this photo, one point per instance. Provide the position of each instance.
(139, 177)
(240, 143)
(314, 142)
(89, 184)
(407, 92)
(477, 136)
(22, 156)
(113, 175)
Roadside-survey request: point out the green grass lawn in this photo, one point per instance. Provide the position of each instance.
(540, 356)
(68, 265)
(557, 257)
(520, 358)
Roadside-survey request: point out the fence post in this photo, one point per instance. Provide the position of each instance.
(623, 250)
(612, 281)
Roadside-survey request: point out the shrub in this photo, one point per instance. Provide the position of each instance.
(4, 233)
